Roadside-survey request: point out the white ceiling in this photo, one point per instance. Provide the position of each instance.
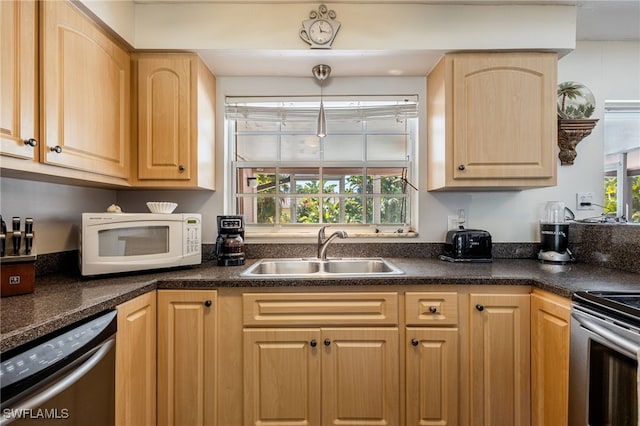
(608, 20)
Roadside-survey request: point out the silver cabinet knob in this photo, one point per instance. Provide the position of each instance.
(57, 149)
(31, 142)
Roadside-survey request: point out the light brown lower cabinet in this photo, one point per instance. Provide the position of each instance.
(327, 376)
(432, 359)
(136, 361)
(335, 358)
(432, 376)
(187, 338)
(550, 325)
(499, 364)
(336, 374)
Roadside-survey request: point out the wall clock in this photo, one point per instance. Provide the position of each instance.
(320, 29)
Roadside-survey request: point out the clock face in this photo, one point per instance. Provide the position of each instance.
(321, 32)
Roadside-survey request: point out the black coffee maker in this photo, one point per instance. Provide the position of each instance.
(230, 241)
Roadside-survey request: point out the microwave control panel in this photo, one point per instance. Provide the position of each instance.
(192, 234)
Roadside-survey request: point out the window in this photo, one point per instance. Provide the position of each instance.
(622, 159)
(359, 174)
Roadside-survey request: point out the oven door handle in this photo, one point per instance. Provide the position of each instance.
(609, 336)
(64, 384)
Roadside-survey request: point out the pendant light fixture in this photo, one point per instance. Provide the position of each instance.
(321, 73)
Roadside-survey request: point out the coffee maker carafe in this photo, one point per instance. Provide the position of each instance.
(554, 234)
(230, 241)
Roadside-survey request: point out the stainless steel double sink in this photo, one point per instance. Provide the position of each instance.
(307, 268)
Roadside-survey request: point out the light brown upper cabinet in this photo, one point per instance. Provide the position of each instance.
(85, 93)
(491, 121)
(18, 62)
(175, 120)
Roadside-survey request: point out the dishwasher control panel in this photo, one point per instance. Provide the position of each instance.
(53, 353)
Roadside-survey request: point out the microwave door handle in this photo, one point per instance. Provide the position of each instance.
(619, 342)
(76, 374)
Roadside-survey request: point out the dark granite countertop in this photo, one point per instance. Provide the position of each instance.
(60, 300)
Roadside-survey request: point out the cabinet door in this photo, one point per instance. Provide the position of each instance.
(165, 115)
(186, 357)
(504, 115)
(360, 376)
(550, 325)
(282, 377)
(500, 359)
(18, 68)
(136, 361)
(86, 93)
(432, 376)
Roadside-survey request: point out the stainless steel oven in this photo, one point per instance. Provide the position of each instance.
(66, 378)
(603, 376)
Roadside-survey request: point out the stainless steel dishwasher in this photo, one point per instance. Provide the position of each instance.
(64, 378)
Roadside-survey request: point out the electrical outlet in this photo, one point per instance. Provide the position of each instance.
(582, 198)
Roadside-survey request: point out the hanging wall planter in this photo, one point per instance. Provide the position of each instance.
(576, 104)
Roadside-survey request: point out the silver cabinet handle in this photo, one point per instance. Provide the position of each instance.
(31, 142)
(57, 149)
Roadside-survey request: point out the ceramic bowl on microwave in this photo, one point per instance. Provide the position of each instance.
(161, 206)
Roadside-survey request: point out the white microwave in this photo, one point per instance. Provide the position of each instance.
(125, 242)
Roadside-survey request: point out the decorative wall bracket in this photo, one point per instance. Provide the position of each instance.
(570, 133)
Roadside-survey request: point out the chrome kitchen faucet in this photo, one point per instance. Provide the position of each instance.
(323, 242)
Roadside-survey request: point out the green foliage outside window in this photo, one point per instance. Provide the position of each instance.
(611, 197)
(349, 205)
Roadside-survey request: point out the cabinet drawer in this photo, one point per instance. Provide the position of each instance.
(431, 308)
(292, 309)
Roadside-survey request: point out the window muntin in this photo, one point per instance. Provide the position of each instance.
(358, 174)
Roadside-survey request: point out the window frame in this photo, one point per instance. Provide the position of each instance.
(618, 168)
(410, 134)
